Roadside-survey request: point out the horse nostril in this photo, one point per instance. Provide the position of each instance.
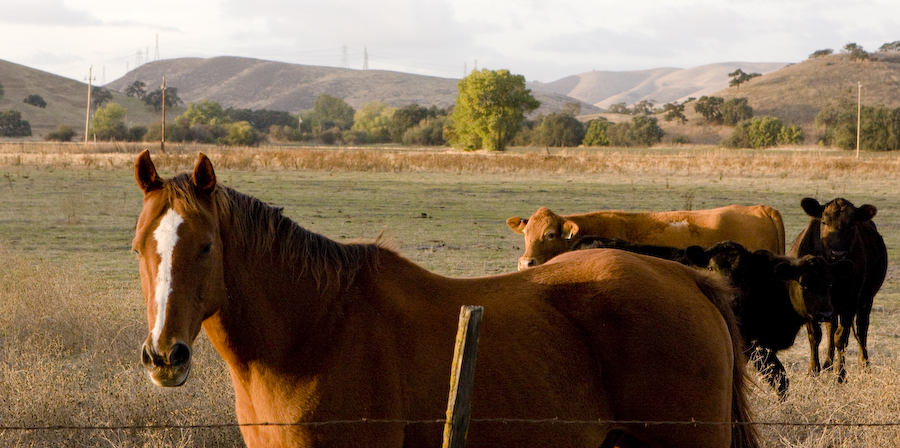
(147, 357)
(179, 355)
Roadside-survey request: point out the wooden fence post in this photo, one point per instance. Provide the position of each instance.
(462, 374)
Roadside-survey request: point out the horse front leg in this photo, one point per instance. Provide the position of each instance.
(814, 333)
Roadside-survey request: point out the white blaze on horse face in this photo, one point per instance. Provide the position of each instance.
(166, 235)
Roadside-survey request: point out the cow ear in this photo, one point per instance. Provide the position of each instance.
(145, 173)
(787, 271)
(812, 207)
(865, 213)
(697, 256)
(569, 230)
(841, 269)
(517, 224)
(204, 176)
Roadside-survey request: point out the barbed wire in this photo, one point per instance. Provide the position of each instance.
(435, 421)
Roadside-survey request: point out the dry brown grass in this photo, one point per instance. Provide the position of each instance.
(69, 357)
(686, 160)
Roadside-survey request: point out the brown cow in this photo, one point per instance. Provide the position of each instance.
(548, 234)
(839, 230)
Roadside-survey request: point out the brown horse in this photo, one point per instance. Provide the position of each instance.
(351, 345)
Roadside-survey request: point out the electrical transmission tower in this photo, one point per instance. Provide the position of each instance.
(156, 55)
(365, 58)
(345, 61)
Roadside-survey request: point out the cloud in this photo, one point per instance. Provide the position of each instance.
(44, 13)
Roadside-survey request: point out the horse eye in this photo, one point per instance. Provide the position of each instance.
(205, 249)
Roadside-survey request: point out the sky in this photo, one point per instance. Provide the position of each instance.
(541, 40)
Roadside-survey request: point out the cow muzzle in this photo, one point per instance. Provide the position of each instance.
(527, 262)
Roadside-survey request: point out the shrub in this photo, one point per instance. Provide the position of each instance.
(12, 124)
(735, 111)
(241, 134)
(764, 131)
(63, 133)
(819, 53)
(35, 100)
(429, 132)
(791, 135)
(596, 133)
(711, 108)
(644, 131)
(560, 130)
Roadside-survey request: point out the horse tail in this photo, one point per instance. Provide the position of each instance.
(743, 433)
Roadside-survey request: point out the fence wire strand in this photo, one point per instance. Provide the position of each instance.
(436, 421)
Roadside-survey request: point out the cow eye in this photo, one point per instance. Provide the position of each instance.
(205, 249)
(551, 235)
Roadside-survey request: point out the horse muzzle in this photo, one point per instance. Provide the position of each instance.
(170, 369)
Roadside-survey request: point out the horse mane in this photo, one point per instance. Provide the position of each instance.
(257, 228)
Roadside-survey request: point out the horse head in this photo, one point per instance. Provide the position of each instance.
(179, 251)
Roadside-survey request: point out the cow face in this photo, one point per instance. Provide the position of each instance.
(546, 236)
(809, 282)
(838, 224)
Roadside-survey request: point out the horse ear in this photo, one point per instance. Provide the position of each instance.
(812, 207)
(145, 173)
(204, 176)
(517, 224)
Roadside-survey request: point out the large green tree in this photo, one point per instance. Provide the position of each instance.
(108, 122)
(490, 108)
(329, 112)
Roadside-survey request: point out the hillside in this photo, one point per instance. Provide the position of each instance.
(246, 83)
(797, 92)
(66, 100)
(662, 85)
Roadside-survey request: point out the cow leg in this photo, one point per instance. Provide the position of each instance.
(841, 337)
(767, 363)
(814, 333)
(830, 326)
(862, 334)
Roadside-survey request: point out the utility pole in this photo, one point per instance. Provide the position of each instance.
(858, 115)
(162, 138)
(87, 118)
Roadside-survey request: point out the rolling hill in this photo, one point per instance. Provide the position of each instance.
(662, 85)
(245, 83)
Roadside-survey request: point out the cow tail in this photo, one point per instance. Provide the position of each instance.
(743, 432)
(778, 222)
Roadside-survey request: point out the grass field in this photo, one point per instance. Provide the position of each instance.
(72, 316)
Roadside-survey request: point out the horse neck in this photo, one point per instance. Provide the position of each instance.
(278, 303)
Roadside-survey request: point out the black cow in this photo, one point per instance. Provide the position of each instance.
(774, 296)
(840, 231)
(597, 242)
